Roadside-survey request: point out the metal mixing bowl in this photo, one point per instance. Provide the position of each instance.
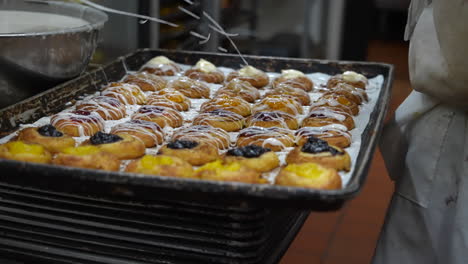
(33, 62)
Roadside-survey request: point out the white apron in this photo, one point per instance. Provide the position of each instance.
(425, 148)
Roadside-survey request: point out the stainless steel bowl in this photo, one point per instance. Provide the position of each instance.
(33, 62)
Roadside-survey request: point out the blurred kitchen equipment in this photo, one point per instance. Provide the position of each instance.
(43, 43)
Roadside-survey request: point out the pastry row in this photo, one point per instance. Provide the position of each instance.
(315, 164)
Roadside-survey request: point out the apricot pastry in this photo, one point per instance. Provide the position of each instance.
(163, 116)
(194, 152)
(161, 166)
(107, 107)
(239, 88)
(161, 65)
(309, 175)
(281, 103)
(272, 119)
(205, 71)
(87, 157)
(78, 123)
(318, 151)
(254, 157)
(349, 77)
(274, 138)
(295, 79)
(122, 146)
(233, 104)
(21, 151)
(128, 94)
(226, 120)
(146, 81)
(338, 101)
(285, 89)
(169, 98)
(254, 76)
(190, 88)
(151, 134)
(356, 95)
(47, 136)
(201, 133)
(234, 172)
(320, 116)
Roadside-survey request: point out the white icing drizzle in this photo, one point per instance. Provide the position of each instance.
(83, 121)
(277, 118)
(241, 88)
(156, 82)
(169, 98)
(128, 94)
(323, 132)
(107, 107)
(163, 116)
(328, 112)
(147, 128)
(266, 137)
(285, 104)
(219, 115)
(233, 104)
(209, 134)
(190, 88)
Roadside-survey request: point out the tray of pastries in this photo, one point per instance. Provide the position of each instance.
(190, 125)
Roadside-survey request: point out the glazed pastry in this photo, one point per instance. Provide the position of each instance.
(227, 120)
(356, 95)
(295, 79)
(107, 107)
(21, 151)
(254, 157)
(320, 116)
(121, 146)
(281, 103)
(309, 175)
(190, 88)
(254, 76)
(234, 172)
(318, 151)
(335, 135)
(78, 123)
(349, 77)
(274, 138)
(285, 89)
(161, 166)
(128, 94)
(87, 157)
(232, 104)
(151, 134)
(272, 119)
(161, 65)
(169, 98)
(47, 136)
(196, 153)
(146, 81)
(163, 116)
(205, 71)
(338, 101)
(239, 88)
(208, 134)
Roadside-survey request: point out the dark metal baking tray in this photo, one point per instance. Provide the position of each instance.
(141, 189)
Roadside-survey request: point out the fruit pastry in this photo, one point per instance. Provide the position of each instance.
(47, 136)
(295, 79)
(254, 157)
(78, 123)
(196, 152)
(21, 151)
(257, 78)
(161, 65)
(205, 71)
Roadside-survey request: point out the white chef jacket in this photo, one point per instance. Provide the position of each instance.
(425, 146)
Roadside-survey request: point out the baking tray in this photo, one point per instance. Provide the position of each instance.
(135, 188)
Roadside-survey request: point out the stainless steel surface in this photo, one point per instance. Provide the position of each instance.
(33, 62)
